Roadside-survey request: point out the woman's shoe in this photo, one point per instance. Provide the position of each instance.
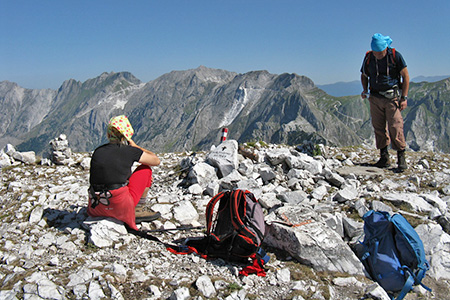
(146, 216)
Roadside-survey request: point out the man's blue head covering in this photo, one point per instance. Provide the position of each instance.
(380, 42)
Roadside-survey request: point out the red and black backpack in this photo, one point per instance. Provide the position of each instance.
(391, 57)
(235, 227)
(390, 54)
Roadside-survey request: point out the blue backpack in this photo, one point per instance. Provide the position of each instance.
(394, 255)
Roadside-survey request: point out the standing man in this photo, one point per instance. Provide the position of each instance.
(385, 74)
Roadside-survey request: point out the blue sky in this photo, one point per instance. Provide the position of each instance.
(43, 43)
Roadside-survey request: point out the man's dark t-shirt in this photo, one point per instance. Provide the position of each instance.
(383, 74)
(111, 163)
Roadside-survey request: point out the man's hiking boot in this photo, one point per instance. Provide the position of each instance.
(402, 166)
(384, 161)
(146, 216)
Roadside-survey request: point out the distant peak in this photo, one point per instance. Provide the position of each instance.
(106, 74)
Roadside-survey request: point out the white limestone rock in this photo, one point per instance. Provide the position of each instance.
(312, 242)
(105, 231)
(437, 249)
(203, 174)
(185, 213)
(224, 157)
(415, 201)
(205, 286)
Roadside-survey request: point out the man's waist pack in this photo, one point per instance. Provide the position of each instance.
(393, 93)
(235, 227)
(394, 254)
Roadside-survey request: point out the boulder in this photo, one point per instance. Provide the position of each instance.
(361, 207)
(333, 178)
(230, 181)
(10, 149)
(28, 157)
(444, 221)
(212, 188)
(319, 192)
(294, 198)
(352, 228)
(202, 173)
(335, 222)
(380, 206)
(105, 231)
(436, 243)
(269, 200)
(9, 154)
(185, 213)
(346, 194)
(267, 174)
(5, 160)
(312, 242)
(305, 162)
(435, 200)
(224, 157)
(416, 202)
(246, 167)
(250, 185)
(277, 156)
(205, 286)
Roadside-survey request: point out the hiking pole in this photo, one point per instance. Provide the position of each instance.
(146, 234)
(174, 229)
(175, 173)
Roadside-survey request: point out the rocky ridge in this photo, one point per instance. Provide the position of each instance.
(50, 249)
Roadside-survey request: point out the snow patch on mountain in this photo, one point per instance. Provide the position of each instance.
(119, 99)
(243, 97)
(253, 95)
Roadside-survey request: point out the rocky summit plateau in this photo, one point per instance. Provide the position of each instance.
(51, 249)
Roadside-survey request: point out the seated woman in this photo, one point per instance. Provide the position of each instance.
(114, 189)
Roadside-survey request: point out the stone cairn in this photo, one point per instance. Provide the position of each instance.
(61, 154)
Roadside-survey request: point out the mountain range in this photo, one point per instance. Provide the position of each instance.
(186, 110)
(340, 89)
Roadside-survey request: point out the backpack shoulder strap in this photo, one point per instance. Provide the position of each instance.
(391, 54)
(210, 210)
(406, 288)
(252, 197)
(413, 239)
(366, 62)
(237, 197)
(367, 57)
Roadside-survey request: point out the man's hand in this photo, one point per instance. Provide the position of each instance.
(364, 95)
(403, 104)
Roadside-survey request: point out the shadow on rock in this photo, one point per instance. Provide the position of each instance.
(64, 220)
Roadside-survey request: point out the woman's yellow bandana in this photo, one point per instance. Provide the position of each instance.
(119, 126)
